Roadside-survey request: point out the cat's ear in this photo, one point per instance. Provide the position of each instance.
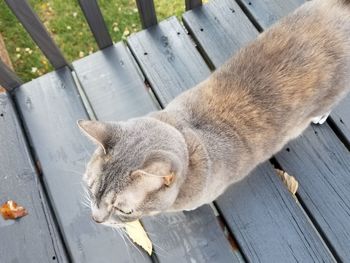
(99, 132)
(161, 164)
(169, 179)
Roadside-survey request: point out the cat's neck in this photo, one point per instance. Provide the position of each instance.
(208, 172)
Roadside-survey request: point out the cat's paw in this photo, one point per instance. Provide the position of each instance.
(320, 119)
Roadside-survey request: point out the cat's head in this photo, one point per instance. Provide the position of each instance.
(136, 170)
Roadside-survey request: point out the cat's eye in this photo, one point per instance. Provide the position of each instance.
(124, 212)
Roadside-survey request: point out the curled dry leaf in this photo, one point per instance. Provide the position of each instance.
(139, 236)
(10, 210)
(289, 181)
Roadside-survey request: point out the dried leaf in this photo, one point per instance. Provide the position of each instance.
(10, 210)
(289, 181)
(138, 235)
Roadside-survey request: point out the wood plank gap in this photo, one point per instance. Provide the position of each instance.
(225, 226)
(250, 16)
(84, 98)
(199, 47)
(143, 76)
(339, 133)
(146, 80)
(59, 246)
(308, 214)
(314, 223)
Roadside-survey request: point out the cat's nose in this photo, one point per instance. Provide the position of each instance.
(97, 220)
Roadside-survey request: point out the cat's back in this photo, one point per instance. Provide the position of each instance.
(302, 59)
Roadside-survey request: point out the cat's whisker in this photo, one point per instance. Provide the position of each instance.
(132, 243)
(147, 232)
(86, 204)
(117, 230)
(166, 254)
(121, 231)
(71, 171)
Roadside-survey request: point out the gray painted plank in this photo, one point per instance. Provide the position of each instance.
(255, 207)
(315, 250)
(341, 118)
(219, 20)
(96, 22)
(37, 31)
(147, 13)
(33, 238)
(168, 59)
(113, 85)
(267, 12)
(320, 155)
(50, 106)
(193, 236)
(8, 79)
(116, 91)
(190, 4)
(321, 164)
(268, 223)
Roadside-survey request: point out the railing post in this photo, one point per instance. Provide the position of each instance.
(8, 79)
(96, 22)
(147, 13)
(37, 31)
(190, 4)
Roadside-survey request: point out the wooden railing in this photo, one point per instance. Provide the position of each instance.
(31, 22)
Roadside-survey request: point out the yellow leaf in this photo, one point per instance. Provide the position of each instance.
(126, 32)
(289, 181)
(138, 235)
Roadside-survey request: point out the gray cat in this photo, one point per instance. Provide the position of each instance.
(214, 134)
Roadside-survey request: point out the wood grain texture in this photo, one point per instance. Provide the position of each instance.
(341, 118)
(113, 84)
(8, 79)
(33, 238)
(268, 223)
(267, 12)
(37, 31)
(50, 106)
(118, 95)
(319, 160)
(168, 59)
(147, 13)
(321, 164)
(190, 4)
(193, 236)
(96, 23)
(260, 211)
(220, 28)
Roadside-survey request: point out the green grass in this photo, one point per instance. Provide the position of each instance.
(67, 25)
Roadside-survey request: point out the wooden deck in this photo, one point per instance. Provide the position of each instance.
(43, 155)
